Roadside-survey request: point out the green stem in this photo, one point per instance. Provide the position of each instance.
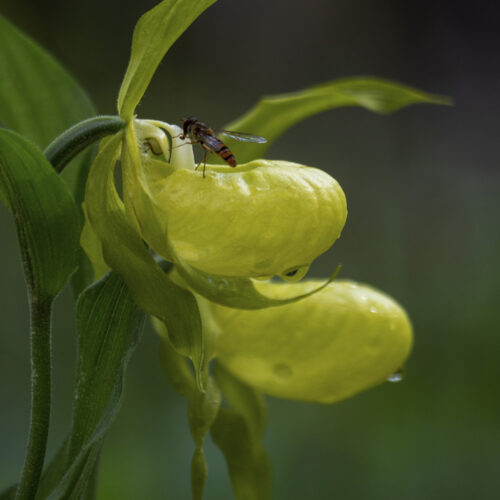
(59, 152)
(74, 140)
(40, 399)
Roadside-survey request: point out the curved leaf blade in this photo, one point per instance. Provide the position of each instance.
(45, 213)
(274, 115)
(38, 97)
(109, 328)
(154, 34)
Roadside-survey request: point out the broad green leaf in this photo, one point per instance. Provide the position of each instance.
(125, 252)
(46, 218)
(109, 326)
(45, 213)
(202, 409)
(238, 431)
(274, 115)
(154, 34)
(38, 98)
(344, 339)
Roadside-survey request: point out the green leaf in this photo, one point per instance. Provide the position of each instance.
(47, 226)
(109, 326)
(45, 213)
(239, 293)
(38, 98)
(154, 34)
(125, 252)
(238, 431)
(274, 115)
(54, 471)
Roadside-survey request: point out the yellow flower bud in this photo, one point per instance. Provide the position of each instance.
(258, 219)
(324, 348)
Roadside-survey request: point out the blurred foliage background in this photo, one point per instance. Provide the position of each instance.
(423, 195)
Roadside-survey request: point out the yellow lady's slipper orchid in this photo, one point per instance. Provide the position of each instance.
(259, 219)
(329, 346)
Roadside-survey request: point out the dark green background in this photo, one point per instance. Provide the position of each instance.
(423, 195)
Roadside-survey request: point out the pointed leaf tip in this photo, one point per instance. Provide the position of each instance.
(154, 34)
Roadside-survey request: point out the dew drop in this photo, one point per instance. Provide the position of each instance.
(282, 370)
(373, 310)
(396, 376)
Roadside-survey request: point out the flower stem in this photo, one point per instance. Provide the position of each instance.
(40, 399)
(74, 140)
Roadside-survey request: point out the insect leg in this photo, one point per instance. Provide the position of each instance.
(205, 163)
(205, 156)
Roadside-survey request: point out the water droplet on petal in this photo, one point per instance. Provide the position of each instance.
(373, 310)
(295, 273)
(396, 376)
(282, 370)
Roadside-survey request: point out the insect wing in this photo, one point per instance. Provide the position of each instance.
(211, 141)
(242, 136)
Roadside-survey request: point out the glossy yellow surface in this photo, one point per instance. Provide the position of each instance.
(259, 219)
(344, 339)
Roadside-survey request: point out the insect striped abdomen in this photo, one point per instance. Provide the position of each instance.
(225, 153)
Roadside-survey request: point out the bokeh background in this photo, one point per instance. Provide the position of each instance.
(423, 193)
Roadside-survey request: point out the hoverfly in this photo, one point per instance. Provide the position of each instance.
(201, 133)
